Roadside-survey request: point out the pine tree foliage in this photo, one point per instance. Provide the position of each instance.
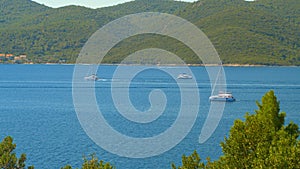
(260, 141)
(8, 158)
(93, 163)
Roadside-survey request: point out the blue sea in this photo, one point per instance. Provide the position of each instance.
(37, 110)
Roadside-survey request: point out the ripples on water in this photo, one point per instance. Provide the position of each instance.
(37, 110)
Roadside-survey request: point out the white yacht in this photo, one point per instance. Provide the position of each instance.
(223, 96)
(92, 77)
(184, 76)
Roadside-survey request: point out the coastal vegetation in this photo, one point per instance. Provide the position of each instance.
(93, 163)
(264, 32)
(8, 158)
(262, 140)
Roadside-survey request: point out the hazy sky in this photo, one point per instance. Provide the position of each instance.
(86, 3)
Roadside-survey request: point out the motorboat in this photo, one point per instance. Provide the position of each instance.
(92, 77)
(223, 97)
(184, 76)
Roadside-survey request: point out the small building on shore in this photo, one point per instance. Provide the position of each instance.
(9, 55)
(23, 57)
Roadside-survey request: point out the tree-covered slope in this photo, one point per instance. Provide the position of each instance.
(259, 32)
(52, 34)
(17, 10)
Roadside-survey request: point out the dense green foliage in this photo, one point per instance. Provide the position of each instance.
(261, 141)
(260, 32)
(51, 35)
(93, 163)
(8, 158)
(191, 162)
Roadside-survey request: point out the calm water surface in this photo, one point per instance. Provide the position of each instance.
(36, 108)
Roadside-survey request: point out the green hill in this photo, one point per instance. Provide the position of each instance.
(50, 35)
(260, 32)
(16, 10)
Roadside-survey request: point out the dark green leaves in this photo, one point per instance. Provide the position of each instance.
(8, 158)
(261, 141)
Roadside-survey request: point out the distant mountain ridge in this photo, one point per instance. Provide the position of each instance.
(16, 10)
(260, 32)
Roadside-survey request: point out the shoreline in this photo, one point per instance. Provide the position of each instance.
(161, 65)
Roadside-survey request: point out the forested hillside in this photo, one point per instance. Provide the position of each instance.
(259, 32)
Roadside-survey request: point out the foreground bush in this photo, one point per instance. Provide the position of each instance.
(93, 163)
(261, 141)
(8, 158)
